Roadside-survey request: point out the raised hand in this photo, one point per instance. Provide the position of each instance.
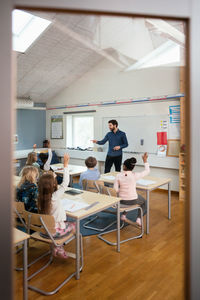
(94, 141)
(144, 157)
(66, 159)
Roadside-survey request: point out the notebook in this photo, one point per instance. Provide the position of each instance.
(145, 182)
(73, 205)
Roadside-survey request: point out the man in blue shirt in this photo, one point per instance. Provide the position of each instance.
(117, 141)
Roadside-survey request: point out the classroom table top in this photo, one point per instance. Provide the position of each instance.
(104, 202)
(159, 181)
(19, 236)
(73, 169)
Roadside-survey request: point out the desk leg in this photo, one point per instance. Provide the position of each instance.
(77, 249)
(25, 286)
(118, 227)
(169, 200)
(70, 180)
(147, 217)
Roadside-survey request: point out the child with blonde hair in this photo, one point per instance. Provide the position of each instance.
(49, 202)
(27, 190)
(31, 161)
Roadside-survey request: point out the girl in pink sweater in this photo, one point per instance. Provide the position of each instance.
(125, 185)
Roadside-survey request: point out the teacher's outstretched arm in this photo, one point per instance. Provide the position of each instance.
(102, 142)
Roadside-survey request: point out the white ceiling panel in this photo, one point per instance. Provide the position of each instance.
(73, 44)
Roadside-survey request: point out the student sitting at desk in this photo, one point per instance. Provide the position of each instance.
(31, 161)
(125, 186)
(49, 202)
(46, 161)
(27, 190)
(92, 173)
(54, 159)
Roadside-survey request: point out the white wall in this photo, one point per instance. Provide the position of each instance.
(107, 82)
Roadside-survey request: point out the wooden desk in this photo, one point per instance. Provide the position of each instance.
(159, 182)
(19, 237)
(104, 202)
(74, 170)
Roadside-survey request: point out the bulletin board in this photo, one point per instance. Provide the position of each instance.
(173, 147)
(57, 127)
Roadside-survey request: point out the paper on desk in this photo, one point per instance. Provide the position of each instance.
(109, 177)
(72, 205)
(54, 168)
(145, 182)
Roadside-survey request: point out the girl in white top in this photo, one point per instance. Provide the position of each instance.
(49, 202)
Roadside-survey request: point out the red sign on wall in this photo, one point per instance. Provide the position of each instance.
(162, 138)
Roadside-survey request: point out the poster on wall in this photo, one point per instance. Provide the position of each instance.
(57, 127)
(174, 122)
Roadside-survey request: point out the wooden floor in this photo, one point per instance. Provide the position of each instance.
(147, 268)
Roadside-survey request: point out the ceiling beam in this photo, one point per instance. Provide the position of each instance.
(87, 43)
(173, 33)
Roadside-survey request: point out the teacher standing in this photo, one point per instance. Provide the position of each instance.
(117, 141)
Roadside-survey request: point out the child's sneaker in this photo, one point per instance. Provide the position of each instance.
(139, 222)
(59, 251)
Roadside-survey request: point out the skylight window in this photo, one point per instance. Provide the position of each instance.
(167, 53)
(26, 29)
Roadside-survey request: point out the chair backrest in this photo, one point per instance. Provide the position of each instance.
(19, 209)
(108, 191)
(40, 222)
(92, 185)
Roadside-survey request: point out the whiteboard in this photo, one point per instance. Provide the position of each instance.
(139, 130)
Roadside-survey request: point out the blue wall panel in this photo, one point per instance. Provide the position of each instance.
(31, 128)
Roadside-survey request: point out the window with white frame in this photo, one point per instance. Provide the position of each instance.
(80, 131)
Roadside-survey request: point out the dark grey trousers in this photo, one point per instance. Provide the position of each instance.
(140, 201)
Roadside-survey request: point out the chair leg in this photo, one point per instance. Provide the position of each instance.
(81, 246)
(63, 283)
(34, 261)
(96, 228)
(33, 288)
(85, 225)
(100, 236)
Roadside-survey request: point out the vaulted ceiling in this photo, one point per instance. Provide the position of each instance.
(73, 44)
